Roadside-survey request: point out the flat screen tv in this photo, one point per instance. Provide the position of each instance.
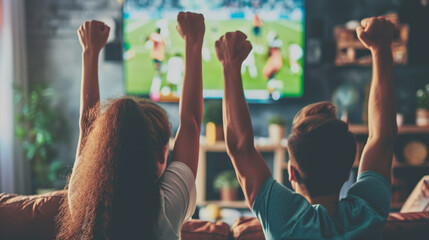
(154, 51)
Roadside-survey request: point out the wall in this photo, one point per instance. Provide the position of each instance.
(54, 56)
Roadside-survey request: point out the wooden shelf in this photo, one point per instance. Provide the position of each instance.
(396, 205)
(397, 164)
(225, 204)
(406, 129)
(261, 144)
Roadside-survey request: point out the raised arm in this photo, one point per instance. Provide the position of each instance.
(187, 143)
(93, 37)
(250, 167)
(377, 34)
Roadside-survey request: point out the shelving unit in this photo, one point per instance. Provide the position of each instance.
(225, 204)
(261, 144)
(279, 151)
(406, 129)
(399, 186)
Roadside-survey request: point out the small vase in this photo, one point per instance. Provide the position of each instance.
(276, 133)
(228, 194)
(213, 133)
(422, 117)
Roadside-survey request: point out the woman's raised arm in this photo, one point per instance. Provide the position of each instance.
(93, 37)
(186, 147)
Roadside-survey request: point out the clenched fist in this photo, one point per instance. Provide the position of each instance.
(376, 33)
(233, 48)
(191, 27)
(93, 35)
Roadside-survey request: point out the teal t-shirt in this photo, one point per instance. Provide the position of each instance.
(362, 214)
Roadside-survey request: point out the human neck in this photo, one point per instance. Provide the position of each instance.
(330, 202)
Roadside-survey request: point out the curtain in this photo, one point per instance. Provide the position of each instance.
(13, 69)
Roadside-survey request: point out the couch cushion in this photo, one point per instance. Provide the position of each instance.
(247, 228)
(399, 226)
(203, 230)
(407, 226)
(29, 217)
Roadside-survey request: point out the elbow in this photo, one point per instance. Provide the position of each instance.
(239, 146)
(191, 124)
(387, 140)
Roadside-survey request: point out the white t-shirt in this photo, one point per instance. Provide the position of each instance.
(178, 200)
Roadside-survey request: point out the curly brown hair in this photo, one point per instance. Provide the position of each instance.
(116, 194)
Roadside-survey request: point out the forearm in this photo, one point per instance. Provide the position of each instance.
(90, 95)
(186, 147)
(250, 167)
(191, 101)
(236, 115)
(378, 152)
(382, 101)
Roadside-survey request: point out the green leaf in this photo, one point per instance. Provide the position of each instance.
(34, 96)
(31, 152)
(20, 132)
(226, 179)
(56, 166)
(26, 110)
(43, 153)
(48, 138)
(52, 176)
(40, 138)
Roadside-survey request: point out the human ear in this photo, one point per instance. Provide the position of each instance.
(292, 173)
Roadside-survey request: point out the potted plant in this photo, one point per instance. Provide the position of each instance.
(276, 128)
(226, 182)
(422, 111)
(36, 128)
(212, 117)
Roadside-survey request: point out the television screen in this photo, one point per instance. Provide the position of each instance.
(154, 51)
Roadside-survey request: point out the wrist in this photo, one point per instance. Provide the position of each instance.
(90, 52)
(193, 45)
(387, 48)
(231, 67)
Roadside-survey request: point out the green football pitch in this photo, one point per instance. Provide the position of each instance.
(139, 70)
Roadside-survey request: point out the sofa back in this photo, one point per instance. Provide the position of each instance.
(32, 217)
(29, 217)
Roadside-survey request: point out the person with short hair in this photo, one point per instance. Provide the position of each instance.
(322, 151)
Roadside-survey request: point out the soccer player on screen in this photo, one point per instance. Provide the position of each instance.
(322, 151)
(158, 48)
(157, 55)
(274, 64)
(249, 64)
(175, 70)
(257, 23)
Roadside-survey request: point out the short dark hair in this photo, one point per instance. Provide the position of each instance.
(323, 148)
